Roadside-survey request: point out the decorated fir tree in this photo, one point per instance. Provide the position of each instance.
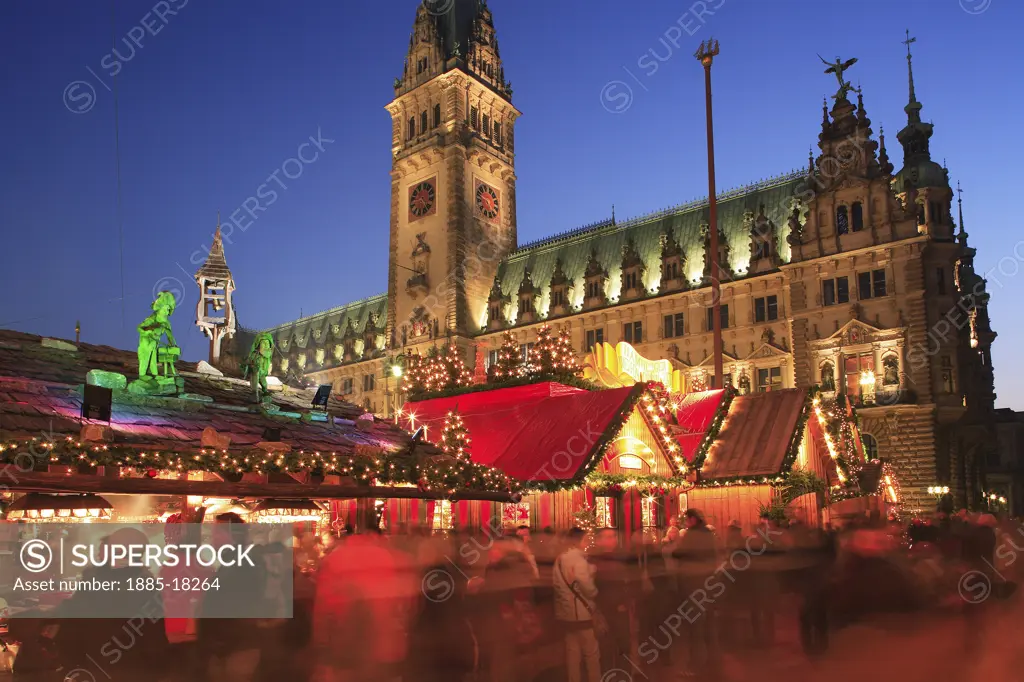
(541, 359)
(564, 356)
(413, 374)
(455, 437)
(509, 363)
(441, 370)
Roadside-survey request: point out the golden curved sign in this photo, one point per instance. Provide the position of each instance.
(621, 365)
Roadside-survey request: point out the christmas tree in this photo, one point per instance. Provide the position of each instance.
(564, 356)
(441, 370)
(541, 359)
(455, 437)
(509, 363)
(413, 375)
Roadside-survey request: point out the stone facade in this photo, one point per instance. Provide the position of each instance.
(843, 274)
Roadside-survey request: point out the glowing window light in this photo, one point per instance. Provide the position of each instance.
(630, 462)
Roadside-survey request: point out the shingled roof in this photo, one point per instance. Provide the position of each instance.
(41, 388)
(216, 265)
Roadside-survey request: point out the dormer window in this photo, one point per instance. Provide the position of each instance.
(595, 289)
(632, 271)
(527, 298)
(857, 216)
(672, 260)
(496, 306)
(559, 291)
(842, 220)
(595, 277)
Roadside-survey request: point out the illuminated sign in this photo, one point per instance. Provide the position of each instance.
(621, 365)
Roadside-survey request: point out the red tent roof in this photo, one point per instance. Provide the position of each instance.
(694, 414)
(545, 431)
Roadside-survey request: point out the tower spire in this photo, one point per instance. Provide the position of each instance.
(913, 107)
(961, 235)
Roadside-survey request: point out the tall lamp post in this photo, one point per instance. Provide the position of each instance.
(705, 54)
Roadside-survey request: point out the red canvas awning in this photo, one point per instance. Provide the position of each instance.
(544, 431)
(694, 414)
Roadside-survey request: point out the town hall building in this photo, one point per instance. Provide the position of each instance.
(848, 274)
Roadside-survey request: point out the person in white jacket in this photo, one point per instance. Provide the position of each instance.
(573, 578)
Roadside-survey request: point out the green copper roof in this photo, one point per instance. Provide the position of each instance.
(330, 325)
(573, 248)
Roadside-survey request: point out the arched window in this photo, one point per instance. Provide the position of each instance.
(437, 115)
(857, 216)
(423, 121)
(412, 127)
(842, 220)
(870, 446)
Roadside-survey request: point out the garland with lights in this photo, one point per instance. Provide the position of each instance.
(606, 484)
(367, 465)
(509, 361)
(714, 427)
(455, 437)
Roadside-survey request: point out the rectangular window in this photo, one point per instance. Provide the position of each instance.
(497, 133)
(859, 368)
(940, 279)
(437, 115)
(368, 382)
(492, 359)
(474, 118)
(724, 315)
(423, 121)
(633, 332)
(557, 298)
(769, 379)
(603, 512)
(346, 386)
(766, 309)
(595, 289)
(515, 514)
(442, 515)
(871, 284)
(878, 283)
(487, 125)
(674, 325)
(948, 380)
(726, 380)
(836, 291)
(594, 337)
(524, 351)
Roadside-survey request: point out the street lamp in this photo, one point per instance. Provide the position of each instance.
(392, 368)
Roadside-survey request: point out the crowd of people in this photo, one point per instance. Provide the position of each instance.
(515, 604)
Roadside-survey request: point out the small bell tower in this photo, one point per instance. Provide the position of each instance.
(215, 313)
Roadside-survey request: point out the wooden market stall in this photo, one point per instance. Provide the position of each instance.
(606, 453)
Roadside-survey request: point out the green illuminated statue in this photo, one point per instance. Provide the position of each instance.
(156, 361)
(151, 332)
(257, 365)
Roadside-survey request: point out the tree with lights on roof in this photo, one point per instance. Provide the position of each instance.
(552, 355)
(509, 363)
(442, 369)
(455, 439)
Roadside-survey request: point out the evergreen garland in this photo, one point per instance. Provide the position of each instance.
(714, 427)
(367, 465)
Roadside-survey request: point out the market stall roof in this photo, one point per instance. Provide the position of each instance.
(541, 432)
(214, 427)
(41, 395)
(694, 414)
(756, 434)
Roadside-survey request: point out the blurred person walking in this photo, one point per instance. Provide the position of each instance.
(576, 611)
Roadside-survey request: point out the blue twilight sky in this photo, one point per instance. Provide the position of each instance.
(225, 92)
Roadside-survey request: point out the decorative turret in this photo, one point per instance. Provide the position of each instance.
(453, 34)
(215, 313)
(918, 168)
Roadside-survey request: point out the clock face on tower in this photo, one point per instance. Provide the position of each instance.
(487, 202)
(422, 199)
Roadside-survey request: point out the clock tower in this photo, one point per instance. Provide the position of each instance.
(453, 208)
